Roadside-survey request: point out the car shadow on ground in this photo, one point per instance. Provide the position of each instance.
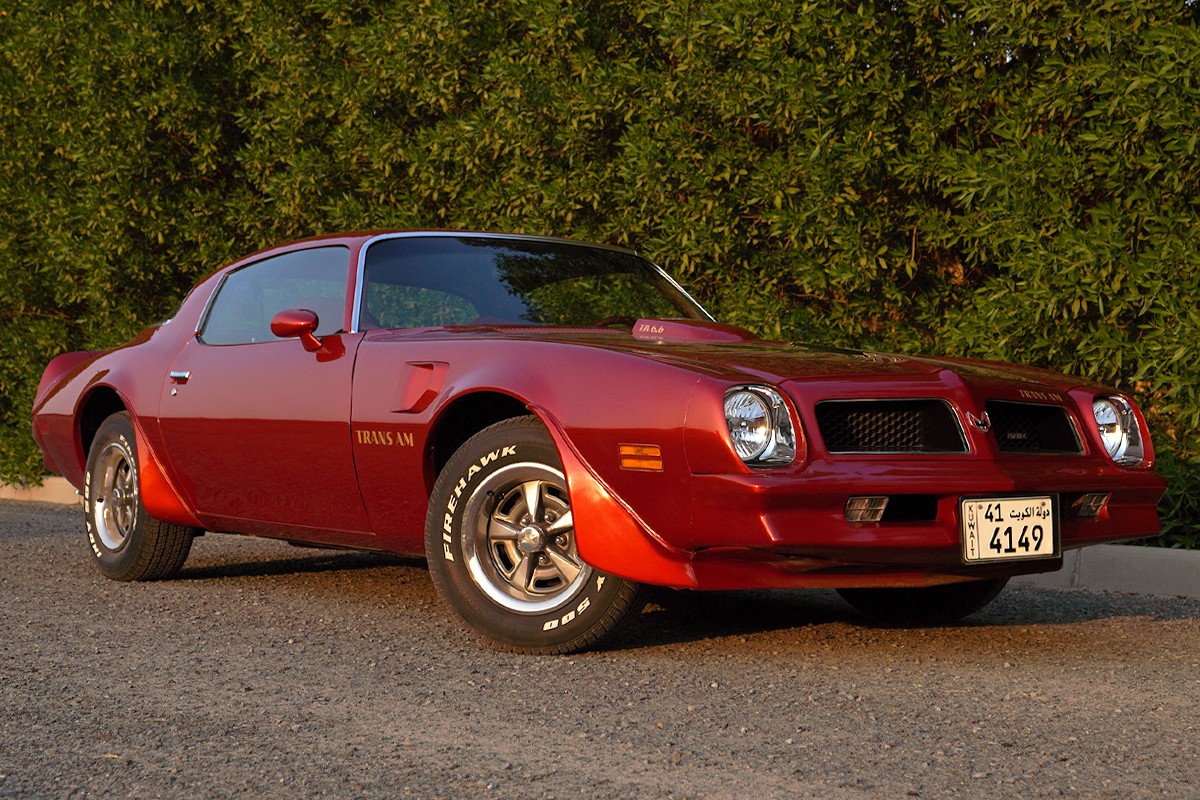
(674, 617)
(680, 616)
(321, 561)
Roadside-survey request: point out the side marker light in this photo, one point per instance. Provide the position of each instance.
(641, 457)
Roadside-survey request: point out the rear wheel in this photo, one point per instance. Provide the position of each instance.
(929, 605)
(127, 543)
(500, 538)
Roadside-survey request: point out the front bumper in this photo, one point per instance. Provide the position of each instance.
(806, 515)
(788, 528)
(763, 530)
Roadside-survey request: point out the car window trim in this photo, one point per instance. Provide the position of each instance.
(212, 297)
(360, 273)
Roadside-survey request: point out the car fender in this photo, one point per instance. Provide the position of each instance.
(609, 535)
(158, 495)
(58, 421)
(54, 425)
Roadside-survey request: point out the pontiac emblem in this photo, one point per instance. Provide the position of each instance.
(982, 423)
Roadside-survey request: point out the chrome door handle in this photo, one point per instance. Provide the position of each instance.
(180, 376)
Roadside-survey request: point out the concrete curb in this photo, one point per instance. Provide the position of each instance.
(1099, 568)
(1121, 568)
(52, 490)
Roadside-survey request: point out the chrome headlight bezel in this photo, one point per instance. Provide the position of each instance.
(760, 426)
(1118, 429)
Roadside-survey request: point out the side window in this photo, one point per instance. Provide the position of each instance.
(393, 306)
(314, 279)
(434, 281)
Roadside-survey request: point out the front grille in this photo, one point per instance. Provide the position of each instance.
(1032, 428)
(889, 426)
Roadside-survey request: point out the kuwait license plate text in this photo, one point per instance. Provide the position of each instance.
(1007, 528)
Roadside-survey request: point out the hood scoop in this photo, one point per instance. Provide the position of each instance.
(688, 330)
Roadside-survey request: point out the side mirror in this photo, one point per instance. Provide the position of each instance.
(297, 323)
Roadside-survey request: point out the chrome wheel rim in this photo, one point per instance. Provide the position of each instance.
(519, 539)
(114, 511)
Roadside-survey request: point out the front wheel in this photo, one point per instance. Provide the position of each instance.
(500, 539)
(924, 606)
(127, 543)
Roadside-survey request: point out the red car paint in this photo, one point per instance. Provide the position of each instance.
(339, 443)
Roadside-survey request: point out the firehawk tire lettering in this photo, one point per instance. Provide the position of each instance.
(127, 544)
(500, 515)
(452, 503)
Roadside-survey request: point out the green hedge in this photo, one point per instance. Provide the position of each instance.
(1009, 180)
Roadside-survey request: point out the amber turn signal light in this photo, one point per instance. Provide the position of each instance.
(641, 457)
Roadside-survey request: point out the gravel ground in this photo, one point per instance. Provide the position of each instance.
(282, 672)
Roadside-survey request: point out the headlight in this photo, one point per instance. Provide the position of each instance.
(760, 425)
(1118, 429)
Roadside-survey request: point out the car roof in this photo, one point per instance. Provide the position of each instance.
(365, 236)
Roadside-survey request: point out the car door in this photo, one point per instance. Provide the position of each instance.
(257, 428)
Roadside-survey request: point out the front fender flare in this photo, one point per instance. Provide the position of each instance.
(608, 533)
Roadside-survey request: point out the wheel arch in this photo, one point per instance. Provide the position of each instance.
(100, 403)
(462, 418)
(158, 496)
(611, 537)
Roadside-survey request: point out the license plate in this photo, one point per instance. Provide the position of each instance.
(1008, 528)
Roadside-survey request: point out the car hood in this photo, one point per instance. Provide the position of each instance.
(733, 354)
(858, 372)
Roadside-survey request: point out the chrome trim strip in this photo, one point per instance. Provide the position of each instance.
(202, 320)
(674, 283)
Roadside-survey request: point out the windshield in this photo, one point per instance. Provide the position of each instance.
(433, 281)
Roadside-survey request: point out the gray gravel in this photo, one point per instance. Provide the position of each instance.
(281, 672)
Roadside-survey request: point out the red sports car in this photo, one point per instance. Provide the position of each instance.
(554, 424)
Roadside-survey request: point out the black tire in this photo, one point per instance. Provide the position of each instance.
(127, 544)
(501, 547)
(931, 605)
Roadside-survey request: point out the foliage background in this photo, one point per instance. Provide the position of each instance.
(1013, 179)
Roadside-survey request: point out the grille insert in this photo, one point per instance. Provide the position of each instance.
(1032, 428)
(889, 426)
